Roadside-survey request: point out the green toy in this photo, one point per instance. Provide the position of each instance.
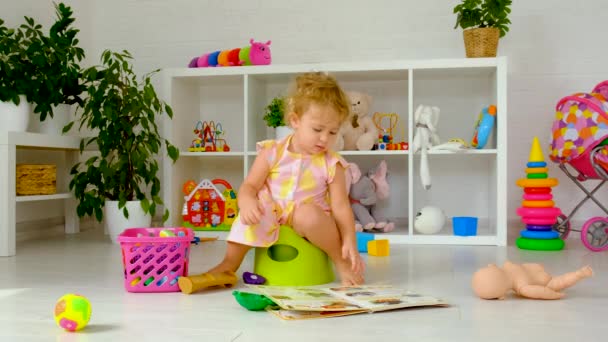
(252, 301)
(540, 244)
(293, 261)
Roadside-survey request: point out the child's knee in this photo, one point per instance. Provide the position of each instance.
(310, 215)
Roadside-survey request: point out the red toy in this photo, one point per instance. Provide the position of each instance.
(206, 207)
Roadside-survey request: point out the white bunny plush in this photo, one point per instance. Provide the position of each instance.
(426, 119)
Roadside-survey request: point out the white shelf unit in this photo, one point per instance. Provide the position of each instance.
(471, 183)
(10, 144)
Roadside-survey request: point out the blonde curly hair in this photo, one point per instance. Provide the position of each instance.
(320, 89)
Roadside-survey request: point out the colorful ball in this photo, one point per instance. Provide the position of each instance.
(72, 312)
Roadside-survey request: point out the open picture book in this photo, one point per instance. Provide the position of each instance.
(304, 302)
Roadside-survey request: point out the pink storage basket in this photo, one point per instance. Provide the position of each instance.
(153, 263)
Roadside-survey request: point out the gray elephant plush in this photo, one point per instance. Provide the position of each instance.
(365, 192)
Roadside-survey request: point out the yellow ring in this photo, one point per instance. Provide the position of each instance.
(537, 204)
(537, 170)
(537, 183)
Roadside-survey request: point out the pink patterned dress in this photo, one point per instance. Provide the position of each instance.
(293, 179)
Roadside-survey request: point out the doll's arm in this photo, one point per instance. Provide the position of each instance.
(538, 292)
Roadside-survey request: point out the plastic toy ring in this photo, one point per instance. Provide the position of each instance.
(538, 197)
(536, 234)
(537, 170)
(539, 220)
(537, 183)
(537, 204)
(539, 227)
(544, 213)
(537, 190)
(536, 164)
(540, 245)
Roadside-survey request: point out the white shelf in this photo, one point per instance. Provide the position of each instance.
(237, 96)
(43, 197)
(40, 141)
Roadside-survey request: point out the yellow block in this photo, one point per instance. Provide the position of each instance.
(537, 170)
(538, 204)
(378, 247)
(536, 152)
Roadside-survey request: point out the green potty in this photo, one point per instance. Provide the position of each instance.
(293, 261)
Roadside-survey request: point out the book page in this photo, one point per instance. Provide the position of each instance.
(290, 315)
(304, 298)
(383, 297)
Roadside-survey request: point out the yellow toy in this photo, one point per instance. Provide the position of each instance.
(385, 123)
(72, 312)
(196, 283)
(378, 247)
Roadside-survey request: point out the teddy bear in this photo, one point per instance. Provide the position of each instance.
(365, 191)
(358, 132)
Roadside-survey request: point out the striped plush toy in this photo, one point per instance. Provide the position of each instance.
(256, 54)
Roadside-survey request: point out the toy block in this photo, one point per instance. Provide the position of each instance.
(197, 283)
(362, 240)
(378, 247)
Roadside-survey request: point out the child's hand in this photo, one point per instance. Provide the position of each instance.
(251, 211)
(349, 252)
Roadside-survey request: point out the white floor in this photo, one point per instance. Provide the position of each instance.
(88, 264)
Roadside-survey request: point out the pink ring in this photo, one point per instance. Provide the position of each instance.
(539, 212)
(539, 221)
(538, 197)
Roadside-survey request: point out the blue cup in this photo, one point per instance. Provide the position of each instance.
(464, 225)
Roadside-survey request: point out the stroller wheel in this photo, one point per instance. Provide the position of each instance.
(562, 226)
(595, 234)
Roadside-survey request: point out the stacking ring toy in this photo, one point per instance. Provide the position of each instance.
(538, 197)
(537, 170)
(543, 235)
(544, 213)
(537, 175)
(540, 245)
(537, 183)
(537, 190)
(537, 204)
(539, 227)
(536, 164)
(544, 221)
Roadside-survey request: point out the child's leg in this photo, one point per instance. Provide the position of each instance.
(233, 258)
(314, 224)
(569, 279)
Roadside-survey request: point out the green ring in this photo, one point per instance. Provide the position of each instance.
(537, 176)
(540, 245)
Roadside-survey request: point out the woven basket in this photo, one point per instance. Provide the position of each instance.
(481, 42)
(36, 179)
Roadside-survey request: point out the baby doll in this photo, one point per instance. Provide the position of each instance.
(526, 280)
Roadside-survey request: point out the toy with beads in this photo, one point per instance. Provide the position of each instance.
(385, 123)
(537, 209)
(208, 138)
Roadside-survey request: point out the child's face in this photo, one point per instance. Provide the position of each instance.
(316, 130)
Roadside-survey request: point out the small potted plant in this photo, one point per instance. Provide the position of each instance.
(121, 182)
(484, 22)
(274, 116)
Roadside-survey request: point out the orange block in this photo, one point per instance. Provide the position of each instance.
(378, 247)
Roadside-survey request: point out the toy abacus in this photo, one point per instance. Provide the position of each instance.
(538, 211)
(209, 138)
(385, 138)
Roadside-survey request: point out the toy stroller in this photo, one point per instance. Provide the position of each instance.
(579, 145)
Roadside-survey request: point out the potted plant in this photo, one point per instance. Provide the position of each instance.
(121, 182)
(484, 22)
(15, 80)
(55, 63)
(41, 70)
(274, 116)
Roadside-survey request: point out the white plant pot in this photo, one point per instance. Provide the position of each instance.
(15, 118)
(115, 221)
(282, 131)
(51, 125)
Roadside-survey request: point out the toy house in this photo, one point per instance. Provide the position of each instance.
(206, 207)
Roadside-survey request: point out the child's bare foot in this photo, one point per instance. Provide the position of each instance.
(222, 267)
(347, 275)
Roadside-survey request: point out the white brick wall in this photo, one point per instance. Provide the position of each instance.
(554, 47)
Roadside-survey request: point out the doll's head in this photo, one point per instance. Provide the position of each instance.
(491, 282)
(316, 108)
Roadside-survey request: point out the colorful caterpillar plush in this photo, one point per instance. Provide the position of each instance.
(256, 54)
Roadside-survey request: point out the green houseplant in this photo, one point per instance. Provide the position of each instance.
(43, 69)
(123, 111)
(483, 22)
(274, 115)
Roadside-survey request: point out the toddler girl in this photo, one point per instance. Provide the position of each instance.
(298, 181)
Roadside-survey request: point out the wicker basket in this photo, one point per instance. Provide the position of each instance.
(481, 42)
(36, 179)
